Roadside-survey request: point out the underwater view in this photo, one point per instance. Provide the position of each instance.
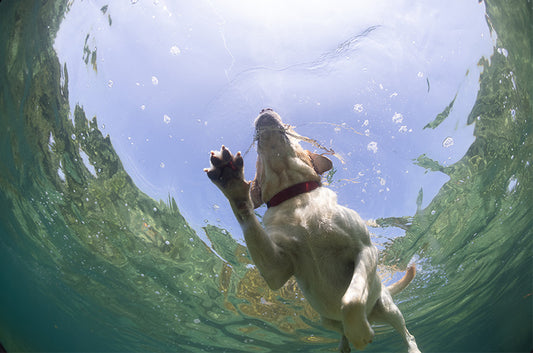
(113, 239)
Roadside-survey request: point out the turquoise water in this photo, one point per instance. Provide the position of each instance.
(91, 262)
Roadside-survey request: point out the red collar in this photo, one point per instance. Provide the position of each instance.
(291, 192)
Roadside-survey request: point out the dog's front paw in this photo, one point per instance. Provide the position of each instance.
(227, 173)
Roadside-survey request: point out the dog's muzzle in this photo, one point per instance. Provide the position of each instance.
(269, 128)
(268, 119)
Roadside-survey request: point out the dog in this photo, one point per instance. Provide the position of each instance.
(308, 235)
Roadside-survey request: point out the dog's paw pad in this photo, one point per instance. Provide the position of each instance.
(226, 168)
(239, 161)
(226, 154)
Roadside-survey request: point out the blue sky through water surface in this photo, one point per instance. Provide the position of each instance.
(174, 80)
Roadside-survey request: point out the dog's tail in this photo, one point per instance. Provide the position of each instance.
(397, 287)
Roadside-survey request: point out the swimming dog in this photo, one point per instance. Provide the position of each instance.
(308, 235)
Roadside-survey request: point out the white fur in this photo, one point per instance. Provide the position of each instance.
(325, 246)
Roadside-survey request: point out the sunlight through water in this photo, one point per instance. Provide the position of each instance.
(112, 239)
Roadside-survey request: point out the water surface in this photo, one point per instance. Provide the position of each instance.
(113, 239)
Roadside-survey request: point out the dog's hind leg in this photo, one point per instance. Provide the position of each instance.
(363, 291)
(344, 345)
(385, 311)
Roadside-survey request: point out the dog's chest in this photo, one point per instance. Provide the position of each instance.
(319, 248)
(323, 244)
(312, 232)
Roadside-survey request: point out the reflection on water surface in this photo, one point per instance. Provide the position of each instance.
(427, 105)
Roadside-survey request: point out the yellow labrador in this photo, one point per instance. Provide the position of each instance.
(306, 234)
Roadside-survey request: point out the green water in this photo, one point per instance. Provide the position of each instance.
(90, 263)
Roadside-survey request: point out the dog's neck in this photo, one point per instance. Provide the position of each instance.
(283, 172)
(282, 163)
(291, 192)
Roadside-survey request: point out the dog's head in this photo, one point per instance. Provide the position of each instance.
(281, 161)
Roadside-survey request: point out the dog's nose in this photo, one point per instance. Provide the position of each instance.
(268, 117)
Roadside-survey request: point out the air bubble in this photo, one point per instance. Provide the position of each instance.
(174, 50)
(372, 146)
(448, 141)
(513, 182)
(397, 118)
(503, 51)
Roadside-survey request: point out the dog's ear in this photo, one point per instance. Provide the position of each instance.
(255, 188)
(320, 163)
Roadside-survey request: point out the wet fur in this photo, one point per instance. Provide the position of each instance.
(325, 246)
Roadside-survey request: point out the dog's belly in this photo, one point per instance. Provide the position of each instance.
(324, 240)
(324, 282)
